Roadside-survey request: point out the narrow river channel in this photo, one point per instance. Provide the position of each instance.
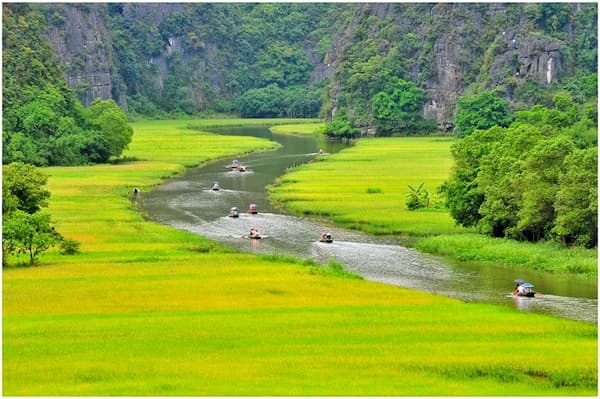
(189, 203)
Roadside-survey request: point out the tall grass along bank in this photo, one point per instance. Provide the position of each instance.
(145, 310)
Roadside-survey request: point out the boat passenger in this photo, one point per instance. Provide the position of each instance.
(516, 290)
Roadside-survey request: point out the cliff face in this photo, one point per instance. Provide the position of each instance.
(83, 45)
(443, 47)
(459, 43)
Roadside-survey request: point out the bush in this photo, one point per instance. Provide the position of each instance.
(69, 247)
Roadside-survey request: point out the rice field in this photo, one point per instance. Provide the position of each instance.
(147, 310)
(366, 186)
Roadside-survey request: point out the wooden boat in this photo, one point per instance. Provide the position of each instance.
(527, 294)
(525, 289)
(326, 238)
(254, 234)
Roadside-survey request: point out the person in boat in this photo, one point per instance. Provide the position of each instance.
(520, 290)
(254, 232)
(325, 236)
(234, 212)
(252, 208)
(516, 290)
(216, 186)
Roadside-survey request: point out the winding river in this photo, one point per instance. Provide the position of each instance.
(189, 203)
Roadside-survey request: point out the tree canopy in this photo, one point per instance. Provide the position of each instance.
(397, 109)
(481, 111)
(535, 179)
(25, 228)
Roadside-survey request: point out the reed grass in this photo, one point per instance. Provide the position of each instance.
(544, 256)
(147, 310)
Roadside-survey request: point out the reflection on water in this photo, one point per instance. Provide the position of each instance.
(189, 203)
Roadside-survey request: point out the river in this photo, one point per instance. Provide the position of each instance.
(189, 203)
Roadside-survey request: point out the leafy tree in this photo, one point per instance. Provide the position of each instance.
(24, 228)
(576, 202)
(110, 123)
(261, 103)
(463, 195)
(481, 111)
(540, 174)
(23, 188)
(398, 108)
(300, 102)
(520, 181)
(29, 233)
(43, 123)
(340, 127)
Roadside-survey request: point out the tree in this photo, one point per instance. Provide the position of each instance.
(261, 103)
(500, 180)
(110, 123)
(23, 188)
(397, 109)
(540, 176)
(533, 180)
(463, 195)
(417, 198)
(23, 232)
(24, 228)
(340, 127)
(576, 201)
(481, 111)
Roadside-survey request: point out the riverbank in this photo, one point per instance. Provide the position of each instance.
(145, 309)
(365, 188)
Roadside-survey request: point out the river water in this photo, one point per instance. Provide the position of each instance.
(189, 203)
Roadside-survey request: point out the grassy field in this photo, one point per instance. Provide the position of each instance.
(363, 189)
(149, 310)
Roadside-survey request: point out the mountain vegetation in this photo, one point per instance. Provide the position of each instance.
(302, 59)
(43, 122)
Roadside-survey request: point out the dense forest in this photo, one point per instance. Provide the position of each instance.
(518, 81)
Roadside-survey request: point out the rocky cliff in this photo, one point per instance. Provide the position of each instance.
(82, 43)
(459, 45)
(445, 48)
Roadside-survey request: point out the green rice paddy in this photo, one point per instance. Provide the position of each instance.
(145, 309)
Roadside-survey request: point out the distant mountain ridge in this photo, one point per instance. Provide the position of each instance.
(196, 57)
